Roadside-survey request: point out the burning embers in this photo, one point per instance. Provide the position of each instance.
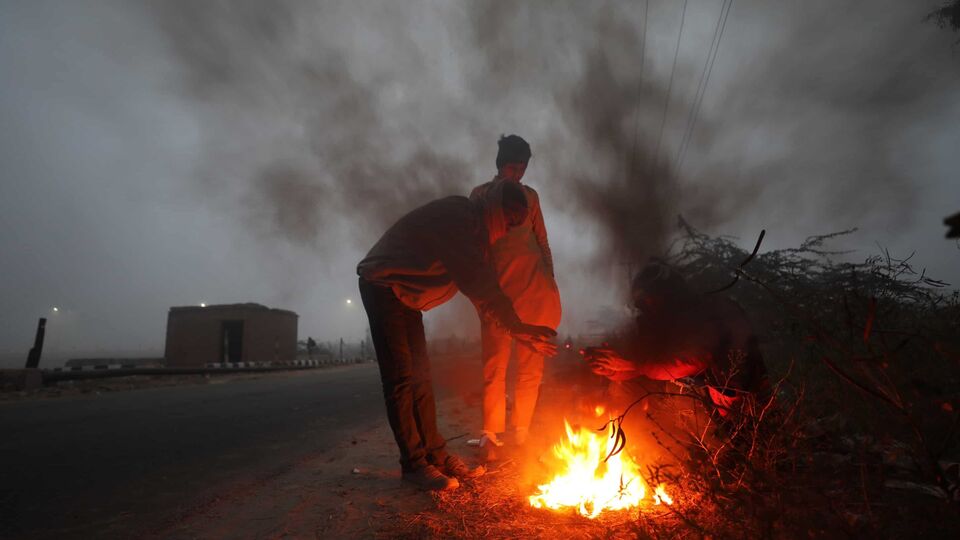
(589, 484)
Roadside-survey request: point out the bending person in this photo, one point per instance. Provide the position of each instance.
(418, 264)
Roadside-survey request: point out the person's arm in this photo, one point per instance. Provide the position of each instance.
(540, 230)
(610, 363)
(672, 368)
(467, 266)
(614, 365)
(470, 271)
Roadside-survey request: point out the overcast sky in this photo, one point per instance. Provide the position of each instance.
(168, 153)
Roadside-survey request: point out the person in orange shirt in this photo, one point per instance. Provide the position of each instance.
(524, 266)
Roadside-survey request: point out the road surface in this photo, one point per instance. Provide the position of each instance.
(122, 464)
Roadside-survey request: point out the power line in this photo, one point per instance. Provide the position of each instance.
(704, 81)
(666, 105)
(703, 73)
(636, 115)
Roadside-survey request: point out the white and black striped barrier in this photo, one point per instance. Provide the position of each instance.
(124, 370)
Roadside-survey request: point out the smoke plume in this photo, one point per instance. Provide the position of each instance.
(325, 122)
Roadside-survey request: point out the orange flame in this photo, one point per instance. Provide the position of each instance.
(590, 485)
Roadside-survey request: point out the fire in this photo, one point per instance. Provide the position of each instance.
(590, 485)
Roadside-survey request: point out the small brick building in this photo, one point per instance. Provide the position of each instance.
(197, 336)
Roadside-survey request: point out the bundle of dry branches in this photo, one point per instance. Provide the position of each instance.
(866, 410)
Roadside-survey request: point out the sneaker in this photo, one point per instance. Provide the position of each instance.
(430, 478)
(490, 439)
(489, 447)
(455, 467)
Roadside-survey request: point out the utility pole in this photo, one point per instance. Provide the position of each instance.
(33, 357)
(341, 350)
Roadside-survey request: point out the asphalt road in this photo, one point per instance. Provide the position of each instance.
(122, 464)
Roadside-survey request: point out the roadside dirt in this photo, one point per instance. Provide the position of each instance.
(352, 491)
(355, 491)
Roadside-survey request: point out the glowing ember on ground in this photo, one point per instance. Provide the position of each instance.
(590, 485)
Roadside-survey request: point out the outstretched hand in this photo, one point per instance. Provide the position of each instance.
(607, 362)
(536, 338)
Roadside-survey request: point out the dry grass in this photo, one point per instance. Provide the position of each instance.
(495, 506)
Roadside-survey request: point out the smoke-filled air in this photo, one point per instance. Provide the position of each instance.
(171, 152)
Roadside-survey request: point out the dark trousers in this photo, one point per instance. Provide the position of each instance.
(400, 343)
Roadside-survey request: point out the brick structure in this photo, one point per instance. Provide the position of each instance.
(197, 335)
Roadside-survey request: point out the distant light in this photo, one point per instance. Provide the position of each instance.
(202, 304)
(349, 301)
(55, 309)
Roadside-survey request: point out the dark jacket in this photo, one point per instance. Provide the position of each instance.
(434, 251)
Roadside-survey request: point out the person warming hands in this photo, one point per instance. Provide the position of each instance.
(418, 264)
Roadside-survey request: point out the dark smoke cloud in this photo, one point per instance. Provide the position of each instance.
(841, 94)
(315, 144)
(599, 164)
(600, 150)
(350, 119)
(137, 137)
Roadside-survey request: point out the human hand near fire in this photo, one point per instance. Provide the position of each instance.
(607, 362)
(536, 338)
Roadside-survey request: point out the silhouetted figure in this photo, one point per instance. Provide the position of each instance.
(524, 267)
(420, 263)
(680, 334)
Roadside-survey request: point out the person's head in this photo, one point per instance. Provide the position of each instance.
(514, 205)
(513, 154)
(657, 287)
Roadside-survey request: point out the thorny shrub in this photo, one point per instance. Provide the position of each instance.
(860, 434)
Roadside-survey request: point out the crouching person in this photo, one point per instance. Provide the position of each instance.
(418, 264)
(679, 336)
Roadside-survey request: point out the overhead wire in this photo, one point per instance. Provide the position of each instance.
(704, 81)
(636, 115)
(703, 73)
(673, 69)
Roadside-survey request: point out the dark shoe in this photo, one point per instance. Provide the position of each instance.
(455, 467)
(430, 478)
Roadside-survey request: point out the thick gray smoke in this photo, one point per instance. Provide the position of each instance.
(327, 121)
(293, 126)
(145, 133)
(327, 108)
(310, 125)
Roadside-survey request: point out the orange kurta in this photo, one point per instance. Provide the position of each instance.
(524, 267)
(524, 264)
